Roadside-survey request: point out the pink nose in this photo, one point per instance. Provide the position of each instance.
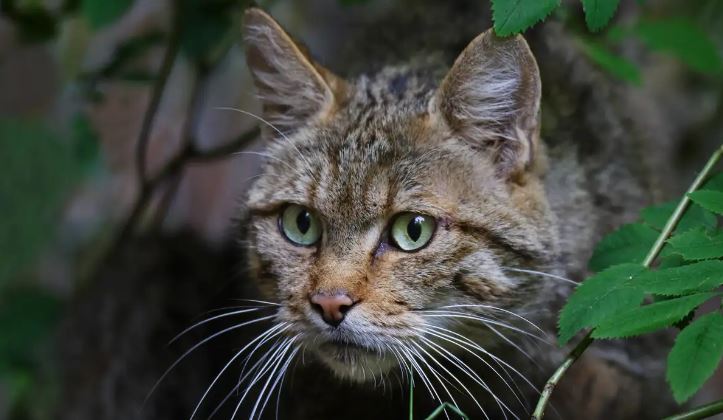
(332, 307)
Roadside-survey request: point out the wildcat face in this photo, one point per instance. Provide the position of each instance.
(388, 198)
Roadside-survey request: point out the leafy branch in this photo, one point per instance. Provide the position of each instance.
(611, 278)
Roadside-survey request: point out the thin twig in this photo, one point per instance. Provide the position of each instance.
(189, 154)
(188, 134)
(166, 200)
(702, 412)
(652, 254)
(169, 57)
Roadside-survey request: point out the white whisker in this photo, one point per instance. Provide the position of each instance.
(273, 331)
(453, 376)
(552, 276)
(205, 340)
(518, 316)
(486, 321)
(205, 321)
(281, 133)
(277, 381)
(465, 347)
(460, 337)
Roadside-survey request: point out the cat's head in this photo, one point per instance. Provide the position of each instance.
(387, 201)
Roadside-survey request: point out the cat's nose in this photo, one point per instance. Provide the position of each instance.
(332, 307)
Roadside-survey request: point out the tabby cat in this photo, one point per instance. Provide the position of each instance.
(412, 222)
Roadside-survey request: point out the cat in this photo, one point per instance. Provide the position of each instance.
(422, 215)
(416, 224)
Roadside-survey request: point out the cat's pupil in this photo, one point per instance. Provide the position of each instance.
(414, 228)
(303, 221)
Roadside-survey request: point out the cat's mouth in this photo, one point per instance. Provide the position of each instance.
(344, 351)
(353, 361)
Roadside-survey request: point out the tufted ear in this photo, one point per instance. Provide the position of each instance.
(491, 97)
(292, 88)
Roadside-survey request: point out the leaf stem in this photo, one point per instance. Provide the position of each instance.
(539, 412)
(682, 207)
(701, 412)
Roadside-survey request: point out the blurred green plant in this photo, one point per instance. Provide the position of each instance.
(103, 13)
(41, 167)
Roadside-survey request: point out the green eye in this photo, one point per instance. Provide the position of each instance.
(300, 225)
(411, 231)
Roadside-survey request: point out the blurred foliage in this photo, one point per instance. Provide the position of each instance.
(39, 171)
(43, 163)
(25, 339)
(207, 26)
(103, 13)
(614, 64)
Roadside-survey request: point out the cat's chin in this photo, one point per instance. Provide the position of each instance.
(355, 363)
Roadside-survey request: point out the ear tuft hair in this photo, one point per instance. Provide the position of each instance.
(292, 88)
(491, 96)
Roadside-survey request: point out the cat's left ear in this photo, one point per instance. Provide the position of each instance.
(491, 97)
(293, 89)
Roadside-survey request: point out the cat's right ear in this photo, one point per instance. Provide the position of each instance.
(291, 86)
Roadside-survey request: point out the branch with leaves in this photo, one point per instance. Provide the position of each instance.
(609, 302)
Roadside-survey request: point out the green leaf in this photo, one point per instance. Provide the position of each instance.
(695, 355)
(100, 13)
(711, 200)
(599, 12)
(694, 217)
(85, 141)
(629, 244)
(682, 38)
(715, 183)
(206, 24)
(38, 170)
(697, 245)
(673, 260)
(600, 297)
(649, 318)
(514, 16)
(26, 318)
(699, 277)
(613, 64)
